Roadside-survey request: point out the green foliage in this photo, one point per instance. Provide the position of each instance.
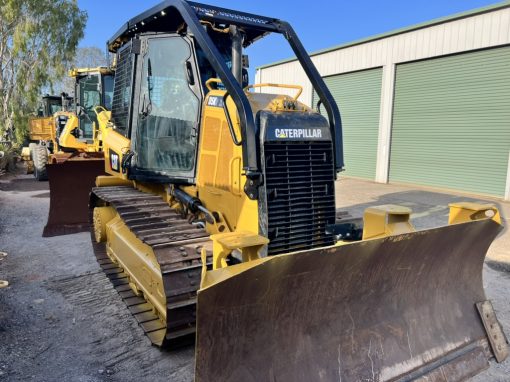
(38, 40)
(7, 158)
(85, 57)
(90, 57)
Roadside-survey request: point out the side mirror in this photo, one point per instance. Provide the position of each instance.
(246, 61)
(246, 78)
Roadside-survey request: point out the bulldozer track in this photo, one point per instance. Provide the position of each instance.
(177, 246)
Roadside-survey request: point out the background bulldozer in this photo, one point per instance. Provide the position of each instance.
(73, 158)
(218, 220)
(64, 130)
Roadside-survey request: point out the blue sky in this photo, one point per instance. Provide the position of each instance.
(319, 23)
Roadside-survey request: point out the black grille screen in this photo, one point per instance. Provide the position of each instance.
(300, 193)
(122, 90)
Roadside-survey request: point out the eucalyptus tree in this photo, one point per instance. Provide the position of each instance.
(38, 40)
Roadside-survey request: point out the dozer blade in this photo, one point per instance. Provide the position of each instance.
(70, 185)
(400, 308)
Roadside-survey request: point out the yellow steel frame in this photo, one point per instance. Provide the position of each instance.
(463, 212)
(75, 72)
(68, 140)
(247, 243)
(285, 86)
(386, 220)
(139, 263)
(41, 129)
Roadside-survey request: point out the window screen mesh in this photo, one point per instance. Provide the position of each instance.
(122, 90)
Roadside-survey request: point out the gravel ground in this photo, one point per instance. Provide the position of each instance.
(60, 319)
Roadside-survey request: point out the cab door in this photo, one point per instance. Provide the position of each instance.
(89, 93)
(167, 111)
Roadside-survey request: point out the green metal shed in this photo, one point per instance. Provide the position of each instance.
(358, 96)
(451, 122)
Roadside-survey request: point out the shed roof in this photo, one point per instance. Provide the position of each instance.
(440, 20)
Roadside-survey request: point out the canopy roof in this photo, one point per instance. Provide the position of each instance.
(167, 17)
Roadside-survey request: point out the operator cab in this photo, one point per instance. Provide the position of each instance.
(169, 89)
(165, 56)
(92, 89)
(168, 105)
(51, 104)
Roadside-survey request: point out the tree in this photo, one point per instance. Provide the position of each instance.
(38, 39)
(90, 57)
(86, 57)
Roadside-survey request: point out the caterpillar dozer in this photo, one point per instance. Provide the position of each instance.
(217, 222)
(75, 158)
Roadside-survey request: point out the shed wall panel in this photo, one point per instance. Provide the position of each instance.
(451, 122)
(471, 33)
(358, 96)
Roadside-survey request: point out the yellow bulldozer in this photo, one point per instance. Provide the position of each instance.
(58, 133)
(217, 222)
(69, 153)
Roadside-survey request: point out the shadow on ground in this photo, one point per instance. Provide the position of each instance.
(427, 207)
(42, 195)
(23, 185)
(430, 210)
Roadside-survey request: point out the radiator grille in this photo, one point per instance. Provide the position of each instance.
(300, 193)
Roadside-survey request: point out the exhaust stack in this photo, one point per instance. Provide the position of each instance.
(237, 53)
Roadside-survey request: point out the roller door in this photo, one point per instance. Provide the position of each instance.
(358, 96)
(451, 122)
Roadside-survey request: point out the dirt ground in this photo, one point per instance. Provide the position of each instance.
(60, 319)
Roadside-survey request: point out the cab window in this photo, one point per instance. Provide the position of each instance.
(168, 108)
(89, 98)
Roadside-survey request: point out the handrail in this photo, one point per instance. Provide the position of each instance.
(208, 83)
(236, 141)
(99, 109)
(212, 81)
(335, 121)
(246, 118)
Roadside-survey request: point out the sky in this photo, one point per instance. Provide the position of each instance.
(318, 23)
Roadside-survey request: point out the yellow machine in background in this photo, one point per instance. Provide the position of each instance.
(73, 162)
(59, 133)
(218, 220)
(93, 92)
(42, 134)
